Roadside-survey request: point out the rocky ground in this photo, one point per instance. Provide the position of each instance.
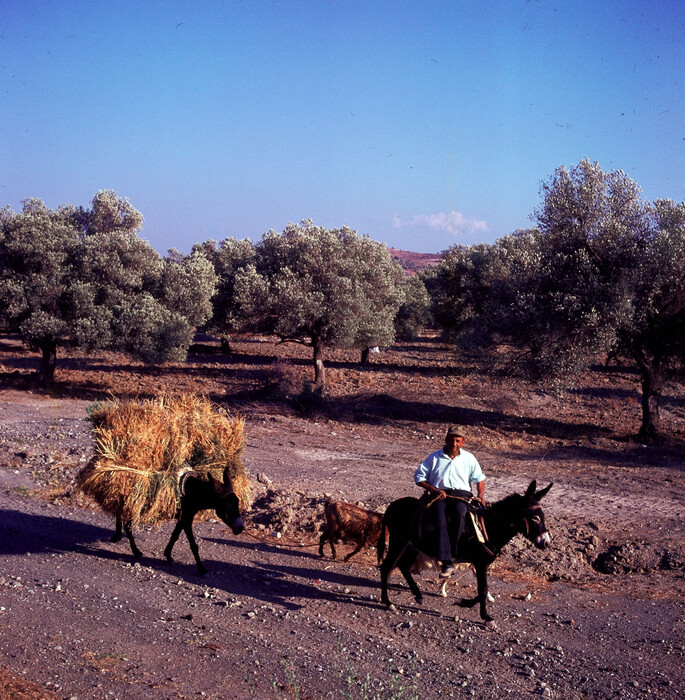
(598, 615)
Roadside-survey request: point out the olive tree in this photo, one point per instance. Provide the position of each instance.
(455, 291)
(602, 272)
(652, 332)
(379, 288)
(228, 257)
(414, 313)
(321, 288)
(613, 277)
(85, 278)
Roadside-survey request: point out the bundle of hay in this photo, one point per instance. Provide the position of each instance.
(143, 446)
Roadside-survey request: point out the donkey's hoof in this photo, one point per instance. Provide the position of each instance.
(418, 599)
(391, 608)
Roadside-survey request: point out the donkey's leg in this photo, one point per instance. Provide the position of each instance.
(482, 577)
(129, 533)
(470, 602)
(386, 568)
(388, 564)
(405, 561)
(117, 530)
(188, 529)
(172, 540)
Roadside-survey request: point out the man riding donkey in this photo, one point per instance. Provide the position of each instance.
(448, 475)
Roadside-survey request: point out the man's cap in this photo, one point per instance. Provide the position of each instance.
(455, 431)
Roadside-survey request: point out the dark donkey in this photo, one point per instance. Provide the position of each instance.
(196, 494)
(504, 519)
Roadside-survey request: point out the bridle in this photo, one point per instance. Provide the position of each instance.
(524, 528)
(526, 521)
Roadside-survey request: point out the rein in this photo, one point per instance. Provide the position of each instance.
(280, 541)
(478, 521)
(303, 545)
(455, 498)
(488, 508)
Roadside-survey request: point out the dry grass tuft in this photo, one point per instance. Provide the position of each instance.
(142, 446)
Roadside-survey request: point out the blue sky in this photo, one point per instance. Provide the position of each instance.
(423, 124)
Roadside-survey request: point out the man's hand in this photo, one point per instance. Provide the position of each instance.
(481, 491)
(434, 492)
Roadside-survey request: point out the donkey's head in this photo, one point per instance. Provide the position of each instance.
(533, 526)
(226, 502)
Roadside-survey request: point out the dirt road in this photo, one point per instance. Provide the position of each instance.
(82, 619)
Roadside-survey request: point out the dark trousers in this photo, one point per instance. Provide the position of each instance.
(450, 514)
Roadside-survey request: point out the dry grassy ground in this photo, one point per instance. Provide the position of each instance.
(598, 615)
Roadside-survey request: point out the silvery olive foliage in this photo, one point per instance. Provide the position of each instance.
(414, 313)
(85, 278)
(454, 293)
(602, 272)
(321, 288)
(188, 285)
(227, 257)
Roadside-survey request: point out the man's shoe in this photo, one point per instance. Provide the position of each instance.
(447, 569)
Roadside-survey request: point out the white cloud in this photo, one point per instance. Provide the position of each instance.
(454, 222)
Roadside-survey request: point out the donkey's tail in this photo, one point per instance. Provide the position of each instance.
(380, 545)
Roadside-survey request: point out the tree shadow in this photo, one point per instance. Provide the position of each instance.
(637, 457)
(383, 367)
(248, 379)
(606, 392)
(379, 408)
(620, 394)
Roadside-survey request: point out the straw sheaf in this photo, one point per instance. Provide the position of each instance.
(142, 446)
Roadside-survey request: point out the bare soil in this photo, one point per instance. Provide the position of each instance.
(598, 615)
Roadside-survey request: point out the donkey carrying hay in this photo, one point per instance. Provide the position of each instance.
(166, 458)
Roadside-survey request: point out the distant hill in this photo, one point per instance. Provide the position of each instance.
(411, 263)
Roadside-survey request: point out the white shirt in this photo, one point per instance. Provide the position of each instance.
(445, 473)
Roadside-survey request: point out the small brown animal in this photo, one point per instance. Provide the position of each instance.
(349, 522)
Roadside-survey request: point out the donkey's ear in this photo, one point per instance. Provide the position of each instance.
(542, 492)
(216, 484)
(228, 483)
(530, 491)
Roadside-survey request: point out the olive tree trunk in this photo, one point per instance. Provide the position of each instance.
(652, 383)
(319, 369)
(46, 371)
